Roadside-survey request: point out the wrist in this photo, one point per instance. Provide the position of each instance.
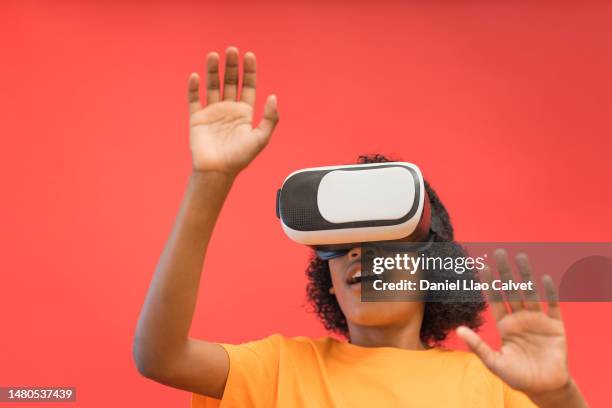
(206, 191)
(213, 175)
(567, 395)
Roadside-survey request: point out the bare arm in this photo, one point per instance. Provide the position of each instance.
(223, 142)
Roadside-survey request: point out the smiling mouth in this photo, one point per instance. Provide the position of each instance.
(354, 278)
(358, 278)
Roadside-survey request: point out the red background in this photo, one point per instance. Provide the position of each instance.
(506, 108)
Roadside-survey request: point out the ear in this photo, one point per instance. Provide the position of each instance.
(332, 291)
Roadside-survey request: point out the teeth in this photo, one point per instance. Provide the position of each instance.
(357, 275)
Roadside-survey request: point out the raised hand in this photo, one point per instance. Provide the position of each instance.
(222, 137)
(533, 355)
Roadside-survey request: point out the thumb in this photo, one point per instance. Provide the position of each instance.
(270, 118)
(478, 346)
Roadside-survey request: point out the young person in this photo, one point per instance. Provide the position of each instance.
(391, 357)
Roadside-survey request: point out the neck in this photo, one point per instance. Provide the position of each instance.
(407, 336)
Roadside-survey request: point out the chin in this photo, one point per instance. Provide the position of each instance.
(380, 314)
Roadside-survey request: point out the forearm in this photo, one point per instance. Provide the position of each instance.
(567, 397)
(167, 313)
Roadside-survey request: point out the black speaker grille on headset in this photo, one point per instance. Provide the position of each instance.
(299, 218)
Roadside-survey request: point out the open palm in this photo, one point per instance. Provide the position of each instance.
(533, 355)
(222, 137)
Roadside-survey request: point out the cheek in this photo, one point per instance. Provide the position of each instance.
(336, 268)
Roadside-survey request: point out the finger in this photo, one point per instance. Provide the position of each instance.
(505, 273)
(532, 301)
(478, 346)
(554, 310)
(248, 79)
(270, 119)
(193, 93)
(212, 78)
(496, 300)
(230, 78)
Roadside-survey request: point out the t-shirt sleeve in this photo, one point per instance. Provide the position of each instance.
(252, 377)
(516, 399)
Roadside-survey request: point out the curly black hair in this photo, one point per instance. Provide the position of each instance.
(440, 316)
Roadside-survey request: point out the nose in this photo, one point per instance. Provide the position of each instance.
(354, 253)
(368, 251)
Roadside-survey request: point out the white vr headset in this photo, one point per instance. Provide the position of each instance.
(330, 208)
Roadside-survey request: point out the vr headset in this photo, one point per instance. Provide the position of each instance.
(336, 208)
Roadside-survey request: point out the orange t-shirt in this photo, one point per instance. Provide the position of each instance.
(301, 372)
